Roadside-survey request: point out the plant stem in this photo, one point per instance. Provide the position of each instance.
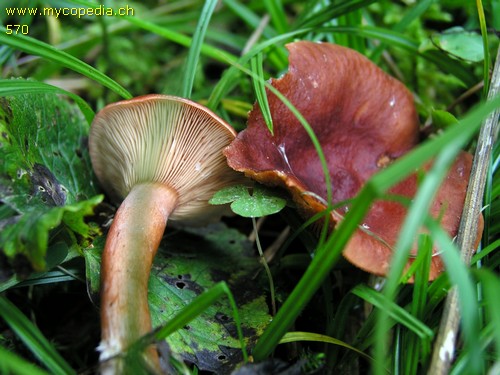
(131, 245)
(444, 346)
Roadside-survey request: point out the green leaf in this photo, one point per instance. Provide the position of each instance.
(256, 202)
(460, 43)
(443, 119)
(188, 264)
(45, 179)
(29, 236)
(21, 86)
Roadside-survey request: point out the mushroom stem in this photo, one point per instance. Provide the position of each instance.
(131, 245)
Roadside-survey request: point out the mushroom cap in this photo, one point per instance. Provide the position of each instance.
(166, 139)
(363, 119)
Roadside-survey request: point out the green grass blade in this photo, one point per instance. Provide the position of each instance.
(491, 289)
(307, 128)
(351, 19)
(494, 246)
(38, 48)
(182, 40)
(33, 338)
(309, 336)
(461, 277)
(277, 13)
(12, 364)
(333, 11)
(466, 237)
(486, 49)
(21, 86)
(397, 313)
(248, 16)
(277, 57)
(196, 43)
(415, 348)
(260, 90)
(461, 365)
(229, 78)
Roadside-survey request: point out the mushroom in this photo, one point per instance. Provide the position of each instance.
(163, 154)
(363, 119)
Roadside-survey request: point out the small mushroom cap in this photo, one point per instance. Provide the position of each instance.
(363, 119)
(166, 139)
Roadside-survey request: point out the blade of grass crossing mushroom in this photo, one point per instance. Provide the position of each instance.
(305, 125)
(21, 86)
(228, 79)
(466, 236)
(195, 48)
(38, 48)
(376, 187)
(319, 152)
(260, 90)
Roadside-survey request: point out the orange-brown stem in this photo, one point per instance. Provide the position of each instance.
(131, 245)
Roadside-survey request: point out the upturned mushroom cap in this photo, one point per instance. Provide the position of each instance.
(363, 119)
(166, 139)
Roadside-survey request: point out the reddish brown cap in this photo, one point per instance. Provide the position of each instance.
(160, 138)
(363, 119)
